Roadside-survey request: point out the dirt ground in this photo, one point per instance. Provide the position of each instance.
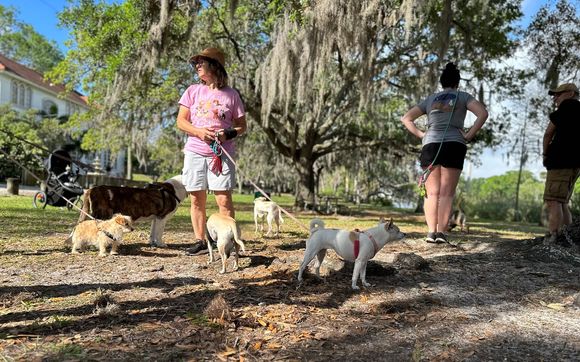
(499, 295)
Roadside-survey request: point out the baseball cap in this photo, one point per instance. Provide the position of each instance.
(566, 87)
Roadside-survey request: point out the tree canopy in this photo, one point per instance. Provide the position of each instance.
(324, 82)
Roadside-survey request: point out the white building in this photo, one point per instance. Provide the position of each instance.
(24, 88)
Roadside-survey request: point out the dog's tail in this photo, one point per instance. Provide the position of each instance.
(238, 237)
(87, 207)
(315, 225)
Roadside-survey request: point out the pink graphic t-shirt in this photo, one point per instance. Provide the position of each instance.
(211, 108)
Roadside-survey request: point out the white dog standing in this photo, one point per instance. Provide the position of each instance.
(158, 224)
(226, 233)
(268, 210)
(355, 246)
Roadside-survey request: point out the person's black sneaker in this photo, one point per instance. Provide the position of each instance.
(441, 238)
(199, 248)
(431, 237)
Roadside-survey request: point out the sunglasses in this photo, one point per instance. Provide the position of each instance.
(200, 61)
(557, 95)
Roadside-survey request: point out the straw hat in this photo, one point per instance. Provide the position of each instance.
(211, 53)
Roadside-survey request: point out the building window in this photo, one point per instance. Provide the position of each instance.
(49, 108)
(21, 94)
(72, 108)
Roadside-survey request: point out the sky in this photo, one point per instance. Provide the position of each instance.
(42, 15)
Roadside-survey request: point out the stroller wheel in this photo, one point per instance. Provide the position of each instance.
(39, 200)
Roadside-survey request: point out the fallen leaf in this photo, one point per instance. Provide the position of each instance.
(263, 323)
(556, 306)
(258, 345)
(228, 352)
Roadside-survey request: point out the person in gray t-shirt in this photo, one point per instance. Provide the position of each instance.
(444, 146)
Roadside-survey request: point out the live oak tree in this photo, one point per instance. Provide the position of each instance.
(327, 76)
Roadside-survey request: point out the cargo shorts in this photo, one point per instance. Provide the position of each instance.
(560, 184)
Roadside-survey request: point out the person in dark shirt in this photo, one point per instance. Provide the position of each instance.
(560, 157)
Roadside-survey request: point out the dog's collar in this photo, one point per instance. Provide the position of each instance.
(109, 235)
(172, 194)
(375, 244)
(162, 189)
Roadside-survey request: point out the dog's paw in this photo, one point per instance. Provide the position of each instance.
(355, 287)
(114, 253)
(367, 285)
(102, 255)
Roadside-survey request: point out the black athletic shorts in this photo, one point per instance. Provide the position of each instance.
(452, 154)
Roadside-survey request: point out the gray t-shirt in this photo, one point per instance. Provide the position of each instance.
(438, 108)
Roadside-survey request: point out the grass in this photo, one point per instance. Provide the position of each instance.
(22, 223)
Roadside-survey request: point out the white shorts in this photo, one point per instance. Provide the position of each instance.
(197, 174)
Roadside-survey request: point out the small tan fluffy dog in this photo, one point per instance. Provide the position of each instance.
(268, 210)
(226, 233)
(101, 234)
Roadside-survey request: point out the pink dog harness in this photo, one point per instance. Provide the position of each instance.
(357, 243)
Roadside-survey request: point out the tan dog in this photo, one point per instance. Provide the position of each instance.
(226, 233)
(101, 234)
(268, 210)
(345, 242)
(157, 201)
(456, 218)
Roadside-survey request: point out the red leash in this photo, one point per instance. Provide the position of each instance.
(216, 161)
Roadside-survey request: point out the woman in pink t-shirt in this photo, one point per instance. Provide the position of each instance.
(208, 110)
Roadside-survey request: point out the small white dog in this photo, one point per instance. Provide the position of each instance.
(355, 246)
(101, 234)
(268, 210)
(226, 233)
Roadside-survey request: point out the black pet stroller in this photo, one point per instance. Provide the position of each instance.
(60, 183)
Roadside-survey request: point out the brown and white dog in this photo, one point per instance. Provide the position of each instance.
(157, 201)
(269, 210)
(101, 234)
(355, 246)
(226, 233)
(458, 218)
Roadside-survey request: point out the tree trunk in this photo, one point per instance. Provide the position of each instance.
(419, 208)
(129, 162)
(307, 181)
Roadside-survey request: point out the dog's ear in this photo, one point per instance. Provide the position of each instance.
(389, 224)
(382, 220)
(120, 220)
